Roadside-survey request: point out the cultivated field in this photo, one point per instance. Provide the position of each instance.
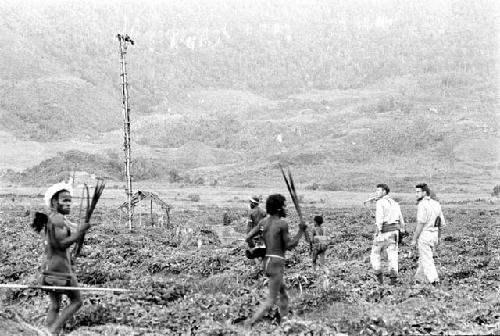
(182, 288)
(346, 93)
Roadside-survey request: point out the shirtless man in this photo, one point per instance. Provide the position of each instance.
(319, 242)
(277, 240)
(57, 268)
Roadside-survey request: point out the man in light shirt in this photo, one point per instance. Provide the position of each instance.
(430, 220)
(389, 222)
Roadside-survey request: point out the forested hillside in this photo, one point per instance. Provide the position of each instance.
(345, 83)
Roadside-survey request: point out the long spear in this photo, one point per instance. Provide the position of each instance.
(98, 189)
(102, 289)
(295, 198)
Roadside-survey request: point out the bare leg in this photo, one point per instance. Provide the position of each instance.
(68, 312)
(322, 259)
(314, 257)
(55, 306)
(283, 303)
(275, 283)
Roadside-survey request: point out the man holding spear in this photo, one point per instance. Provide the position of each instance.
(276, 238)
(57, 268)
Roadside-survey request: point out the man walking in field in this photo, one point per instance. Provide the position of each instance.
(319, 242)
(58, 268)
(256, 214)
(427, 235)
(276, 237)
(389, 222)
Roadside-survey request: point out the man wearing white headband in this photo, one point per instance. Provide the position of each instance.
(255, 215)
(57, 268)
(55, 189)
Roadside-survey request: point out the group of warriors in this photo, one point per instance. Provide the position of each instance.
(268, 239)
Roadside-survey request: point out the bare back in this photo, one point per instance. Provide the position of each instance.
(275, 235)
(318, 231)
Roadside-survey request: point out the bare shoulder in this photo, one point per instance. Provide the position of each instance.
(57, 219)
(282, 223)
(264, 221)
(274, 223)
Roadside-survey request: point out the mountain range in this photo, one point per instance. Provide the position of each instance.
(347, 94)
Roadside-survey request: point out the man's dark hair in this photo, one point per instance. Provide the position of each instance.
(318, 219)
(56, 195)
(424, 187)
(384, 186)
(274, 204)
(40, 221)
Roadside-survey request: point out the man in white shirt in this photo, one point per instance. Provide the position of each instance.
(389, 221)
(430, 220)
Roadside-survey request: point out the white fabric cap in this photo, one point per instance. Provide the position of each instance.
(54, 189)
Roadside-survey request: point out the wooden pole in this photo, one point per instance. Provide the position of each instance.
(73, 178)
(124, 40)
(140, 213)
(151, 212)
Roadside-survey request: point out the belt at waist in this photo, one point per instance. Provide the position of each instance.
(275, 256)
(60, 274)
(432, 229)
(386, 227)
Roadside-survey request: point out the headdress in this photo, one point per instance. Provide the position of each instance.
(55, 189)
(254, 199)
